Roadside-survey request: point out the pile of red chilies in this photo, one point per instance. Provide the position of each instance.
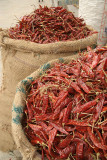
(66, 109)
(47, 25)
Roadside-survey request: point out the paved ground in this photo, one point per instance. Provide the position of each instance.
(10, 12)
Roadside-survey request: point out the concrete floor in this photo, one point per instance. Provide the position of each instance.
(10, 12)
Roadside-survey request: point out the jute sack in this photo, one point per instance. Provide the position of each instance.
(20, 58)
(6, 139)
(24, 146)
(16, 66)
(17, 63)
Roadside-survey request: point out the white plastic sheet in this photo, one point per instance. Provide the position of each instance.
(94, 13)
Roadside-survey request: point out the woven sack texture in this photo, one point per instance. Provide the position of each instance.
(27, 150)
(20, 57)
(6, 139)
(13, 72)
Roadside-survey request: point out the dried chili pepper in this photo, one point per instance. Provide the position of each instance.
(95, 141)
(88, 70)
(66, 114)
(47, 25)
(85, 106)
(52, 135)
(98, 109)
(79, 151)
(59, 128)
(83, 85)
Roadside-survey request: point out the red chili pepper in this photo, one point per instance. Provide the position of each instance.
(72, 70)
(101, 49)
(101, 139)
(66, 151)
(70, 128)
(70, 90)
(79, 135)
(105, 102)
(87, 111)
(88, 70)
(30, 112)
(63, 104)
(79, 151)
(45, 102)
(42, 117)
(61, 79)
(47, 154)
(61, 98)
(35, 127)
(71, 27)
(77, 99)
(75, 87)
(37, 140)
(43, 125)
(61, 74)
(50, 127)
(102, 65)
(104, 109)
(78, 140)
(83, 85)
(88, 156)
(44, 134)
(95, 141)
(105, 137)
(52, 135)
(50, 25)
(81, 129)
(83, 74)
(49, 157)
(61, 115)
(98, 109)
(59, 128)
(95, 61)
(77, 123)
(67, 113)
(85, 106)
(42, 153)
(65, 142)
(103, 125)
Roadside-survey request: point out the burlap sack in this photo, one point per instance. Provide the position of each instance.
(19, 59)
(27, 150)
(6, 139)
